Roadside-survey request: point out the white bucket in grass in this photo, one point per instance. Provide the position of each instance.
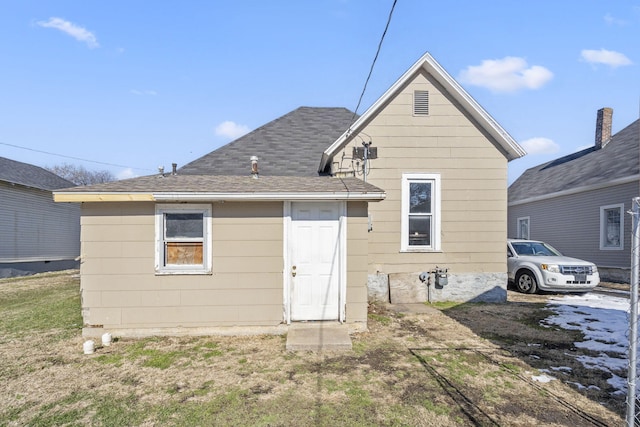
(106, 339)
(88, 347)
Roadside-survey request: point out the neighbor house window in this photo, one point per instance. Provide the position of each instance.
(420, 225)
(183, 236)
(523, 228)
(612, 227)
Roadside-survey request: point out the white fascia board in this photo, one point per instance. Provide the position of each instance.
(187, 196)
(576, 190)
(429, 64)
(260, 197)
(510, 146)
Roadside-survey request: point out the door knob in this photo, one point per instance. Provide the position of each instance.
(293, 271)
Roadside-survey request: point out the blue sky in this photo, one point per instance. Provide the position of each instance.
(137, 85)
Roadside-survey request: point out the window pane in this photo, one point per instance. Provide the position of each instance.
(184, 225)
(612, 229)
(420, 197)
(524, 229)
(183, 253)
(419, 231)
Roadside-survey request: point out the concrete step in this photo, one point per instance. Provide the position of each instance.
(318, 336)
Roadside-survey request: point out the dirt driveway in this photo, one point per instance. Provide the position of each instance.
(426, 368)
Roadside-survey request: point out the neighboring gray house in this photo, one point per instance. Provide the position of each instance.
(36, 234)
(579, 203)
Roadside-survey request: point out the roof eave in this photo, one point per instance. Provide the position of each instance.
(26, 185)
(510, 147)
(78, 197)
(576, 190)
(264, 197)
(192, 197)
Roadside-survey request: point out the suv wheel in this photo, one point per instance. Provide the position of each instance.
(526, 282)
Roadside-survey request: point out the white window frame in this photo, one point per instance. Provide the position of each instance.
(603, 227)
(434, 179)
(161, 210)
(520, 220)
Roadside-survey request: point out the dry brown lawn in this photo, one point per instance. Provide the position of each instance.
(409, 369)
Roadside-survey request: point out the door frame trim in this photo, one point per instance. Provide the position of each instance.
(342, 268)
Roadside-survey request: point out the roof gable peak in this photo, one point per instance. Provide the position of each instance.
(509, 146)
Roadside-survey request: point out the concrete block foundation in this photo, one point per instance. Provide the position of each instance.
(406, 288)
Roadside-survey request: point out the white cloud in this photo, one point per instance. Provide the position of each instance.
(231, 129)
(506, 75)
(126, 174)
(540, 146)
(610, 20)
(78, 33)
(607, 57)
(144, 92)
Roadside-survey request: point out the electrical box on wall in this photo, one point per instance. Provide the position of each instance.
(358, 152)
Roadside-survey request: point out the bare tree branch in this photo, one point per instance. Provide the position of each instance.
(81, 176)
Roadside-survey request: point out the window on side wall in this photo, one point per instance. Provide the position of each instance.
(523, 228)
(612, 227)
(183, 239)
(420, 224)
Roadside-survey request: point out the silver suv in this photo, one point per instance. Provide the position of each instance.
(534, 265)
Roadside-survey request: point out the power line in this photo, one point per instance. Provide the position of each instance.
(74, 158)
(384, 33)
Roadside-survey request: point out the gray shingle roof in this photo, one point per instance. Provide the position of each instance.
(30, 176)
(291, 145)
(289, 150)
(618, 159)
(210, 184)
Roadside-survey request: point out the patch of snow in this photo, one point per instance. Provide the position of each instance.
(576, 385)
(619, 384)
(542, 378)
(604, 322)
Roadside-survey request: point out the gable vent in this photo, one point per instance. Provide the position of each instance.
(421, 103)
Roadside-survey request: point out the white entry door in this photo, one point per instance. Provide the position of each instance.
(315, 261)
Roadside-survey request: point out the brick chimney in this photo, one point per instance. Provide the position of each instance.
(603, 127)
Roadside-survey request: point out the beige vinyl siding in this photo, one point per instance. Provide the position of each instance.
(34, 228)
(473, 175)
(121, 290)
(571, 223)
(357, 247)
